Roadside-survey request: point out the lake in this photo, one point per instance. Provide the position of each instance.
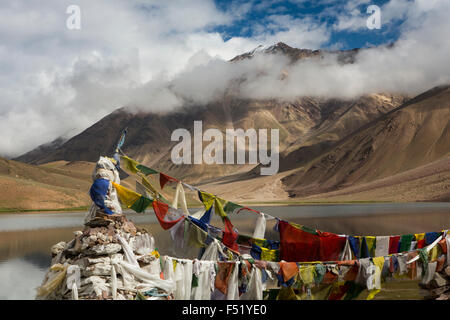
(26, 238)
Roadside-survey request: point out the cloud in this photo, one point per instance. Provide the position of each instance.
(415, 63)
(160, 55)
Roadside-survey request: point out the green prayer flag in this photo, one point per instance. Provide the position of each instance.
(146, 170)
(423, 254)
(307, 229)
(405, 242)
(231, 206)
(194, 281)
(141, 204)
(218, 208)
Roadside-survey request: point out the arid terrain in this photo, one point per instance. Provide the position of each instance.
(380, 147)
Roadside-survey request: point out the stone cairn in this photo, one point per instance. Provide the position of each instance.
(439, 287)
(89, 267)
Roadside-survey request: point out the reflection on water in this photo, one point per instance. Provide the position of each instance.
(19, 277)
(26, 239)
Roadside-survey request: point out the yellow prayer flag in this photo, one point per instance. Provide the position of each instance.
(127, 197)
(372, 294)
(419, 236)
(130, 164)
(207, 199)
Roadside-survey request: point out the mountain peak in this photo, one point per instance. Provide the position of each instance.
(278, 48)
(295, 54)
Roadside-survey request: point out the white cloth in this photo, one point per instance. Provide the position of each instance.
(366, 273)
(255, 287)
(149, 279)
(402, 259)
(177, 234)
(169, 273)
(205, 273)
(105, 169)
(198, 214)
(74, 291)
(187, 279)
(260, 227)
(429, 273)
(347, 252)
(233, 288)
(143, 244)
(113, 282)
(213, 251)
(179, 281)
(73, 276)
(447, 240)
(382, 246)
(129, 255)
(180, 193)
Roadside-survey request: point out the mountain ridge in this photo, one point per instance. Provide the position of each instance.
(326, 144)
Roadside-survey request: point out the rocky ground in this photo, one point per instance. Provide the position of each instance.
(439, 287)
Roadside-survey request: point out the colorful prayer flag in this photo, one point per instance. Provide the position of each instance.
(131, 199)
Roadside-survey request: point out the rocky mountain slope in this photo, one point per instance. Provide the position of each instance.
(329, 148)
(306, 126)
(414, 135)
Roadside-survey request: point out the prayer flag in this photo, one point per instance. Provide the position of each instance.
(131, 199)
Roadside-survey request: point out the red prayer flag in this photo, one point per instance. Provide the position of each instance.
(229, 236)
(300, 246)
(393, 244)
(331, 246)
(163, 179)
(161, 209)
(421, 244)
(297, 245)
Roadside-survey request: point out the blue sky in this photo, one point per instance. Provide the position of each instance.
(325, 12)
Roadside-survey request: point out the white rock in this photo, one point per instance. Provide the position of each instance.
(98, 269)
(109, 248)
(59, 247)
(106, 260)
(92, 279)
(116, 258)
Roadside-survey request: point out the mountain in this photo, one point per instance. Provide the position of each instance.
(303, 124)
(376, 147)
(295, 54)
(58, 185)
(36, 153)
(409, 137)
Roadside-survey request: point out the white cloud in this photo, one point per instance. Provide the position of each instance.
(159, 55)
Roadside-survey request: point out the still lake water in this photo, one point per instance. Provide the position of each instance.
(26, 238)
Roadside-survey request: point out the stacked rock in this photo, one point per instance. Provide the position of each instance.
(439, 287)
(110, 259)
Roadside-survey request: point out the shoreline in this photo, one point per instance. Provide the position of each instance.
(249, 204)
